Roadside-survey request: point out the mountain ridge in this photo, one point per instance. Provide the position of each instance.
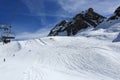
(83, 20)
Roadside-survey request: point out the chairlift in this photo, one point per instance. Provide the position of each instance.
(6, 34)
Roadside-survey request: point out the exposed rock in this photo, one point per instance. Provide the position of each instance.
(58, 28)
(80, 21)
(117, 11)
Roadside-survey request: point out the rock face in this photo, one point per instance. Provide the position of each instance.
(82, 20)
(116, 14)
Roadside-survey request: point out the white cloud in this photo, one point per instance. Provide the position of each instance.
(35, 6)
(102, 6)
(73, 6)
(50, 15)
(38, 8)
(38, 34)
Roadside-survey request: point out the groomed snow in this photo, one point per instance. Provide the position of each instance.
(91, 55)
(60, 58)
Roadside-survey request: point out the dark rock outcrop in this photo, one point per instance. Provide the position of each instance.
(58, 28)
(82, 20)
(117, 11)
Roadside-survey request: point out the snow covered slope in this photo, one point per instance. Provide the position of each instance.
(108, 30)
(93, 54)
(60, 58)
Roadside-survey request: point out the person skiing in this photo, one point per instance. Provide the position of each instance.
(4, 60)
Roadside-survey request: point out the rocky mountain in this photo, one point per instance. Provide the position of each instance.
(80, 21)
(116, 14)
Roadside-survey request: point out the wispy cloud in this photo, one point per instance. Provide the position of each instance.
(102, 6)
(49, 15)
(35, 6)
(72, 6)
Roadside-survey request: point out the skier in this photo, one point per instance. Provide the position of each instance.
(13, 54)
(4, 60)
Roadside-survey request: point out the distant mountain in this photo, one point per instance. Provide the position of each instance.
(109, 29)
(80, 21)
(116, 14)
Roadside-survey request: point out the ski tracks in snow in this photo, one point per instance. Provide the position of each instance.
(44, 43)
(34, 74)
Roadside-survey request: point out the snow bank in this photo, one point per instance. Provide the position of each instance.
(60, 58)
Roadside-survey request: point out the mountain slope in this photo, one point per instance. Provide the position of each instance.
(82, 20)
(107, 30)
(60, 58)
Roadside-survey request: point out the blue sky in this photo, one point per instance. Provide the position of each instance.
(31, 16)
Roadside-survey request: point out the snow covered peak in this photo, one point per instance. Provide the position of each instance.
(80, 21)
(107, 30)
(90, 24)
